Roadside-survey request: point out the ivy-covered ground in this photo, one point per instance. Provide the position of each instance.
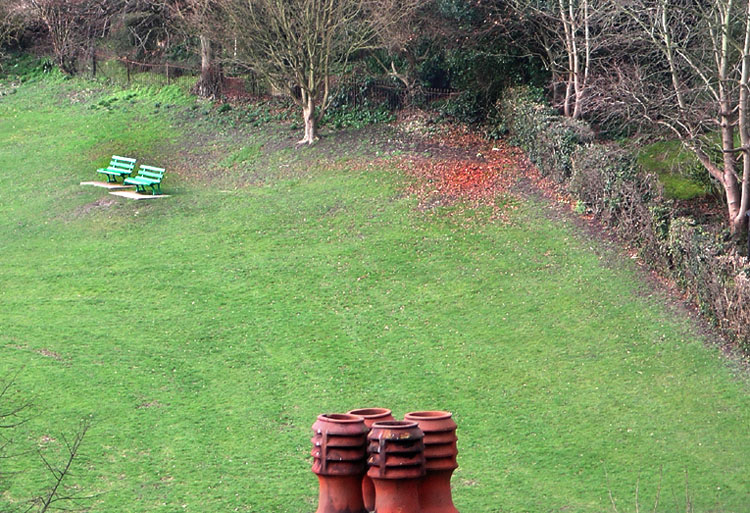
(201, 334)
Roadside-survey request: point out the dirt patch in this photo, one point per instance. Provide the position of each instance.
(102, 203)
(43, 351)
(452, 167)
(281, 142)
(46, 440)
(234, 89)
(65, 96)
(82, 95)
(211, 138)
(420, 132)
(149, 404)
(708, 210)
(50, 354)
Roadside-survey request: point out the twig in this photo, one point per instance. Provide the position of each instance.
(54, 494)
(609, 489)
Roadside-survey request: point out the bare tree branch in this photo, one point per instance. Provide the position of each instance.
(57, 492)
(688, 70)
(297, 45)
(74, 25)
(12, 19)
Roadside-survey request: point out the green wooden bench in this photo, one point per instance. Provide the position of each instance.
(148, 176)
(118, 166)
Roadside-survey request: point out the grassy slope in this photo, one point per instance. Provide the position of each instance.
(671, 162)
(204, 333)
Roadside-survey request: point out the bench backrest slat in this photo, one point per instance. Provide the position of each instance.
(155, 173)
(122, 163)
(120, 167)
(152, 168)
(124, 159)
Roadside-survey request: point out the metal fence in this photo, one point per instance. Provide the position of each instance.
(125, 72)
(354, 91)
(358, 91)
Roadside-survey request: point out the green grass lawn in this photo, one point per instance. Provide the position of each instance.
(676, 168)
(203, 333)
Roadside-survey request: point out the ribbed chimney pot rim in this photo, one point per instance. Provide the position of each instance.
(429, 415)
(340, 418)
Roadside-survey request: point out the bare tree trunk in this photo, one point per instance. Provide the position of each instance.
(211, 80)
(554, 73)
(572, 30)
(568, 94)
(573, 21)
(310, 121)
(740, 220)
(582, 75)
(570, 50)
(407, 77)
(729, 179)
(92, 57)
(669, 53)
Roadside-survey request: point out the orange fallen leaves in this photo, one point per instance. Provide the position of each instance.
(483, 177)
(467, 171)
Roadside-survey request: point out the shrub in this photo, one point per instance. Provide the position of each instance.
(717, 277)
(548, 138)
(609, 181)
(366, 113)
(556, 143)
(466, 107)
(524, 114)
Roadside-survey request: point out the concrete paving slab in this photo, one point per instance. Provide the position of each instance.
(109, 185)
(138, 196)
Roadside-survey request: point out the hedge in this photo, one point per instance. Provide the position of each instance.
(548, 139)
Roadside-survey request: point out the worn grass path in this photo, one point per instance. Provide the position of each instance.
(202, 334)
